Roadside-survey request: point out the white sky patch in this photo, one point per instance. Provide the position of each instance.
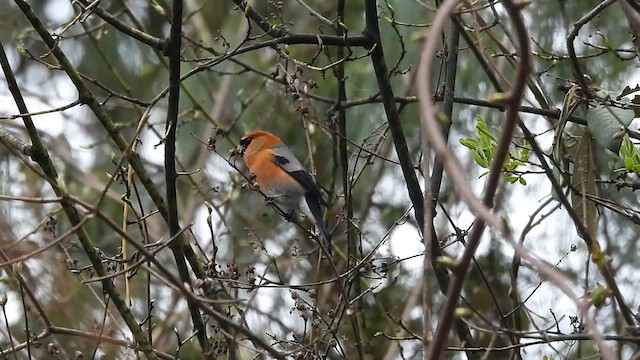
(201, 227)
(64, 89)
(14, 306)
(406, 243)
(52, 123)
(151, 149)
(56, 124)
(58, 11)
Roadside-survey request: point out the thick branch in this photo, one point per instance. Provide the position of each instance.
(172, 48)
(495, 174)
(393, 118)
(40, 155)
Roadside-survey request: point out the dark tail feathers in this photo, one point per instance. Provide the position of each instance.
(316, 211)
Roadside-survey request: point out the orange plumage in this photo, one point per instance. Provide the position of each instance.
(281, 176)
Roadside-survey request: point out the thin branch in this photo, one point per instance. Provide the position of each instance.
(41, 156)
(315, 13)
(429, 132)
(292, 38)
(143, 37)
(15, 142)
(580, 76)
(434, 184)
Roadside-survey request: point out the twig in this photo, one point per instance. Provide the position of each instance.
(580, 76)
(41, 156)
(429, 132)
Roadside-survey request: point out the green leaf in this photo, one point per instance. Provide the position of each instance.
(470, 143)
(626, 150)
(608, 124)
(480, 159)
(599, 295)
(628, 164)
(522, 181)
(511, 179)
(484, 146)
(509, 166)
(483, 129)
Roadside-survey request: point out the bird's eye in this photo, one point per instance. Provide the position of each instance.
(244, 142)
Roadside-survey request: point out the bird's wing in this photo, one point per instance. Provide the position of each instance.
(284, 158)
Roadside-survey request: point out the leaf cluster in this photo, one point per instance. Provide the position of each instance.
(630, 155)
(483, 149)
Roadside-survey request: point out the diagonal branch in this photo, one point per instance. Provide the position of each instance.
(429, 130)
(571, 37)
(408, 169)
(41, 156)
(393, 118)
(495, 173)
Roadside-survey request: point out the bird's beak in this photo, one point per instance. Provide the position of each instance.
(240, 149)
(242, 146)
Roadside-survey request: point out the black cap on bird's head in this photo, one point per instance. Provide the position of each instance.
(259, 139)
(243, 144)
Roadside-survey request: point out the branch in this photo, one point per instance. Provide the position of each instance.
(143, 37)
(291, 38)
(40, 155)
(495, 174)
(14, 142)
(580, 76)
(393, 118)
(210, 308)
(442, 274)
(357, 322)
(429, 132)
(172, 50)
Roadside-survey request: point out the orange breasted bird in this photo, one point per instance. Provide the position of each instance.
(281, 177)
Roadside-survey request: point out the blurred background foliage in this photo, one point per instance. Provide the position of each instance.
(266, 89)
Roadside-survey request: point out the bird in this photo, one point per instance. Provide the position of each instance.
(282, 178)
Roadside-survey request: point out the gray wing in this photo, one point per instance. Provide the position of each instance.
(288, 162)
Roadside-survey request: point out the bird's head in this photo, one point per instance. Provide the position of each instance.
(256, 141)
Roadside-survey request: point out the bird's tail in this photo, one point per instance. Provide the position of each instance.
(313, 205)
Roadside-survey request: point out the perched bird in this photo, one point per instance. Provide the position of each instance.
(281, 177)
